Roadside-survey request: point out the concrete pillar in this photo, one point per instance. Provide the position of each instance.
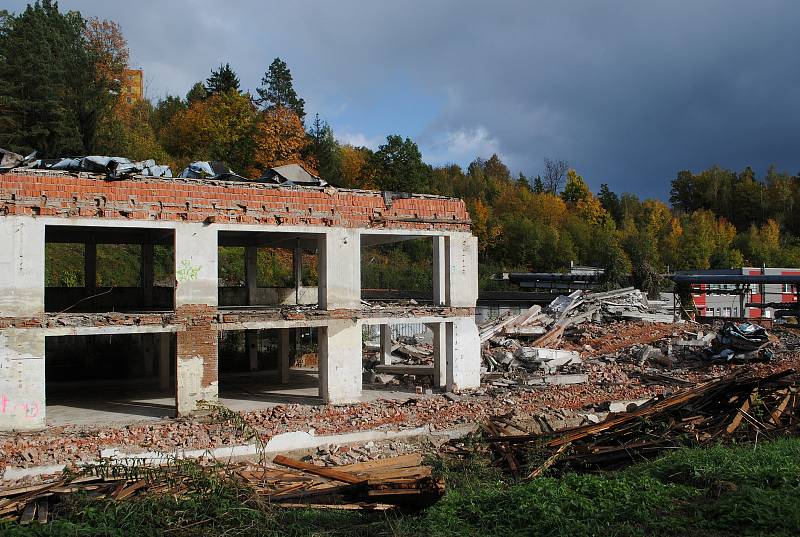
(284, 356)
(149, 353)
(463, 270)
(340, 269)
(195, 308)
(251, 341)
(90, 266)
(463, 354)
(251, 274)
(297, 270)
(21, 267)
(386, 344)
(164, 360)
(148, 274)
(441, 274)
(22, 384)
(340, 361)
(439, 354)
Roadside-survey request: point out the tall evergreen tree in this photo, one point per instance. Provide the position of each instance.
(222, 80)
(325, 150)
(196, 93)
(277, 89)
(50, 95)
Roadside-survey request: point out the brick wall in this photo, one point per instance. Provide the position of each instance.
(198, 338)
(81, 196)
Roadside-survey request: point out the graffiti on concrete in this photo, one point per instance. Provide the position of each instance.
(186, 271)
(9, 407)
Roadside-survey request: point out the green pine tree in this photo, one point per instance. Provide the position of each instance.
(50, 96)
(222, 80)
(277, 89)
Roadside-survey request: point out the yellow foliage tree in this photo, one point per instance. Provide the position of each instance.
(280, 139)
(220, 127)
(356, 172)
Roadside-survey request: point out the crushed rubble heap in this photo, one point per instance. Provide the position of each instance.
(741, 406)
(377, 485)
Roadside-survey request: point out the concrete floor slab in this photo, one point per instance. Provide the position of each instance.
(107, 405)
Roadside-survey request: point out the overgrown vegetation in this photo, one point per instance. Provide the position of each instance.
(744, 490)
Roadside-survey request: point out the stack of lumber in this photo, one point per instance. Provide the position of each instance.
(740, 406)
(383, 484)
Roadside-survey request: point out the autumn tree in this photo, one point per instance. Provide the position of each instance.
(356, 171)
(222, 80)
(277, 90)
(279, 139)
(221, 127)
(107, 43)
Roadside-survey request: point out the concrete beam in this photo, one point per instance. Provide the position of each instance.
(340, 269)
(22, 385)
(21, 267)
(340, 361)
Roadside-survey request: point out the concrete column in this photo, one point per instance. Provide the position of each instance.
(90, 266)
(463, 354)
(251, 340)
(297, 270)
(195, 307)
(21, 267)
(439, 354)
(441, 274)
(22, 384)
(386, 344)
(463, 270)
(251, 274)
(148, 274)
(284, 356)
(340, 361)
(340, 270)
(149, 352)
(164, 360)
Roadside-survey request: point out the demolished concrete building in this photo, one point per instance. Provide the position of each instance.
(177, 322)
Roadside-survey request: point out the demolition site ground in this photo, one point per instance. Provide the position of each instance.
(669, 434)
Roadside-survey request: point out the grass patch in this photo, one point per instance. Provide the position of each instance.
(714, 491)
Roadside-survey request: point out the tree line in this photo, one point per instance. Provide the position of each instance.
(60, 78)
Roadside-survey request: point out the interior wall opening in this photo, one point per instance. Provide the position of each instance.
(397, 267)
(268, 269)
(398, 357)
(108, 376)
(268, 365)
(94, 269)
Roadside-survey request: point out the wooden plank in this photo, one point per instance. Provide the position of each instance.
(128, 491)
(402, 461)
(329, 473)
(340, 506)
(737, 419)
(5, 493)
(42, 510)
(776, 414)
(398, 473)
(549, 462)
(28, 513)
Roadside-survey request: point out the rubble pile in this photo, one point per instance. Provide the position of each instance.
(741, 406)
(528, 342)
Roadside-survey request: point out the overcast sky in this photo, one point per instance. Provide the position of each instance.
(629, 92)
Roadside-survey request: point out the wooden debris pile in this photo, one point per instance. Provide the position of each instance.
(378, 485)
(740, 406)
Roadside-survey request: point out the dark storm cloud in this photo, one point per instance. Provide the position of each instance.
(628, 92)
